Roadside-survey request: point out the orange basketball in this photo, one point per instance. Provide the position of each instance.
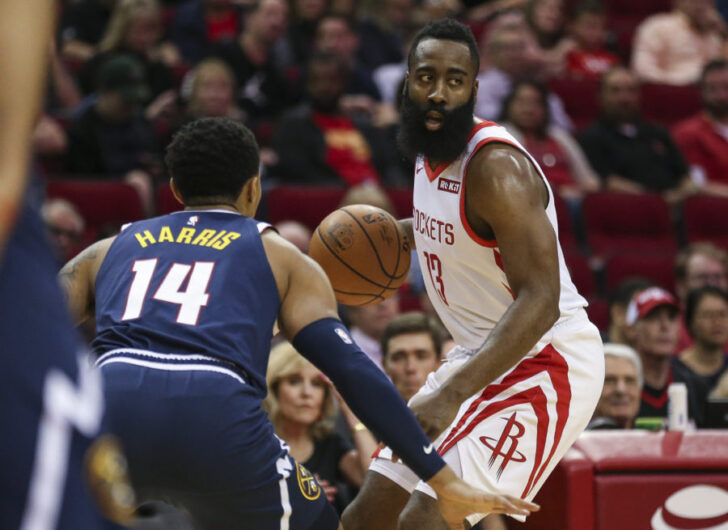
(364, 252)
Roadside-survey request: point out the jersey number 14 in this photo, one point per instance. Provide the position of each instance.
(191, 300)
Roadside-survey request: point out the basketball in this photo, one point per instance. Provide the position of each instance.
(364, 252)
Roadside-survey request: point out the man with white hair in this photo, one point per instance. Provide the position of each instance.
(620, 401)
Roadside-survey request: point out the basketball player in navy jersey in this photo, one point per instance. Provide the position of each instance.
(185, 306)
(51, 400)
(526, 374)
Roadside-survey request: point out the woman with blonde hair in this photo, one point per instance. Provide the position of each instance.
(302, 405)
(210, 91)
(135, 28)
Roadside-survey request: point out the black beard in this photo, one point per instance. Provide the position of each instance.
(442, 145)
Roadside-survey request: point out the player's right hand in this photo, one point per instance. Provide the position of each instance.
(456, 500)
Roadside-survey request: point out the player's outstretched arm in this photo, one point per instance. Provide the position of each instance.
(505, 199)
(309, 319)
(25, 28)
(78, 276)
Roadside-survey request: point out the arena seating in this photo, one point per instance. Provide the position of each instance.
(659, 269)
(705, 219)
(104, 205)
(627, 223)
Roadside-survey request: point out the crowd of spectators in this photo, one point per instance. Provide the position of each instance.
(318, 81)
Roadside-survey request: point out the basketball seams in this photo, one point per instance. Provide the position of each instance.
(341, 260)
(376, 252)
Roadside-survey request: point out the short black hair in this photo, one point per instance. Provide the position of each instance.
(712, 66)
(543, 93)
(211, 159)
(588, 7)
(447, 29)
(695, 297)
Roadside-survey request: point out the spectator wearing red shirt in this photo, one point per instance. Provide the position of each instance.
(198, 24)
(703, 139)
(318, 143)
(526, 116)
(589, 58)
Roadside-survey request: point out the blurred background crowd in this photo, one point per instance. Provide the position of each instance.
(624, 104)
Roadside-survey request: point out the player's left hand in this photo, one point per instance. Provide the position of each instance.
(434, 412)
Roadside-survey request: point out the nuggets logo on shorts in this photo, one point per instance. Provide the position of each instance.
(310, 489)
(108, 480)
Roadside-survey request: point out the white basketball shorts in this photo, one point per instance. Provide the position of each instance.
(507, 438)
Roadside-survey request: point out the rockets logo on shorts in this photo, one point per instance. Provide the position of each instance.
(506, 445)
(310, 489)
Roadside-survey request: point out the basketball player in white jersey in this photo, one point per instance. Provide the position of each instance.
(528, 370)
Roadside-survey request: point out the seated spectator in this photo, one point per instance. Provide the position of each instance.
(411, 349)
(698, 265)
(703, 139)
(65, 227)
(589, 57)
(49, 138)
(367, 194)
(198, 24)
(262, 90)
(111, 138)
(212, 92)
(706, 318)
(384, 33)
(546, 20)
(339, 35)
(317, 143)
(672, 48)
(301, 404)
(654, 316)
(305, 15)
(82, 26)
(509, 58)
(296, 233)
(526, 116)
(135, 28)
(368, 324)
(620, 400)
(619, 332)
(630, 154)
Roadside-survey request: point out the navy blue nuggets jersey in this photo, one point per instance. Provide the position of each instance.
(51, 401)
(185, 308)
(192, 282)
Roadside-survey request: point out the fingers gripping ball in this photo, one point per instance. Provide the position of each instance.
(364, 252)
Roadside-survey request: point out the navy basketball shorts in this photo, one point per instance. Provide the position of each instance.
(196, 436)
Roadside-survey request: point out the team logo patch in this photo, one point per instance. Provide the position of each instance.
(344, 336)
(108, 480)
(310, 489)
(448, 185)
(506, 445)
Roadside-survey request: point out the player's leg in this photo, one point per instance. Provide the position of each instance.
(421, 513)
(378, 504)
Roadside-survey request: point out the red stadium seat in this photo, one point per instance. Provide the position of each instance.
(308, 205)
(104, 205)
(668, 105)
(581, 274)
(598, 311)
(706, 219)
(402, 201)
(628, 223)
(659, 269)
(166, 203)
(580, 98)
(640, 8)
(567, 236)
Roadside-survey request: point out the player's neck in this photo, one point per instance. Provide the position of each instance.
(228, 207)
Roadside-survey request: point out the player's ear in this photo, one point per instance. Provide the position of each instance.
(175, 191)
(475, 91)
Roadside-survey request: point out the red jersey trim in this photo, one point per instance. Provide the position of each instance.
(482, 125)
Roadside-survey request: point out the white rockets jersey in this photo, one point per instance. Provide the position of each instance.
(463, 272)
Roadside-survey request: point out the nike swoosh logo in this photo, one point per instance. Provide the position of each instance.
(428, 449)
(418, 170)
